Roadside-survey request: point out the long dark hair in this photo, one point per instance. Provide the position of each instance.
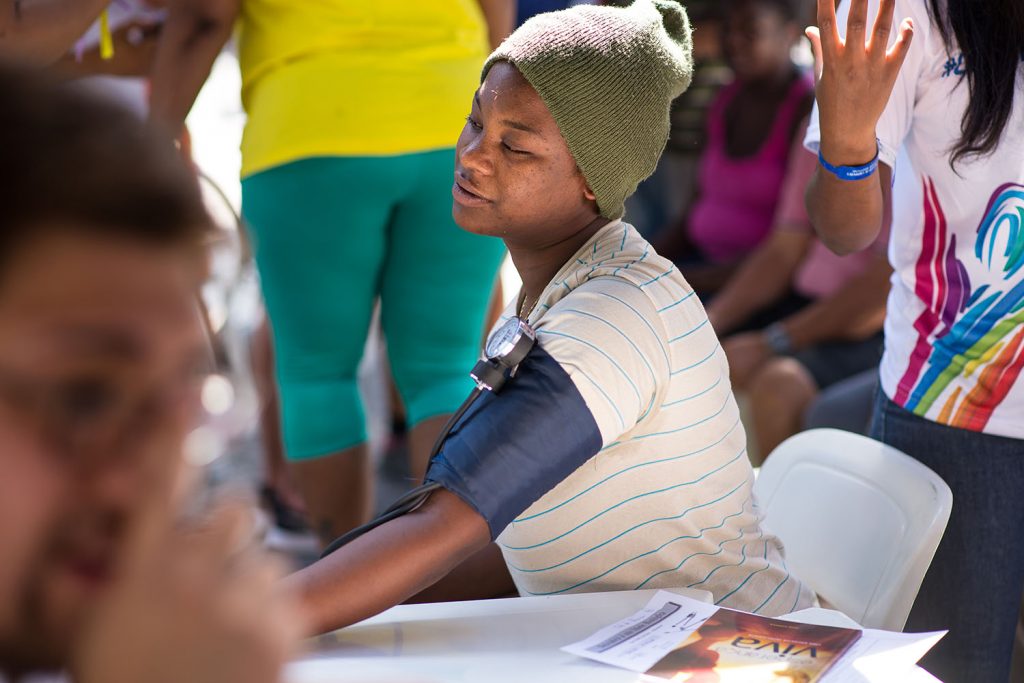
(990, 35)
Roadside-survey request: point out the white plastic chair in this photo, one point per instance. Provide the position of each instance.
(860, 521)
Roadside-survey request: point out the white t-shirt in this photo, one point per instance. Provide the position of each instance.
(955, 323)
(668, 499)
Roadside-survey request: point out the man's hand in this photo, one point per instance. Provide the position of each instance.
(199, 604)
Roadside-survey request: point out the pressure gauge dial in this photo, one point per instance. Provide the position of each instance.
(510, 343)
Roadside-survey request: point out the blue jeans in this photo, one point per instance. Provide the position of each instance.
(974, 585)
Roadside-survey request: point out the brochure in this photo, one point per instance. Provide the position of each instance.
(683, 640)
(737, 646)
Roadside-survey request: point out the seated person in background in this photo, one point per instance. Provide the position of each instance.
(661, 201)
(614, 458)
(796, 318)
(102, 355)
(751, 127)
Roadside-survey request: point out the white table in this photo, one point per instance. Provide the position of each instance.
(515, 640)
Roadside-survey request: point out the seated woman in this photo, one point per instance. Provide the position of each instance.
(614, 458)
(799, 317)
(751, 126)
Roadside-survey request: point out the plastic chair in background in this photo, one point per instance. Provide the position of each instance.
(860, 521)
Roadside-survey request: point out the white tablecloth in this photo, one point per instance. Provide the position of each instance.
(494, 641)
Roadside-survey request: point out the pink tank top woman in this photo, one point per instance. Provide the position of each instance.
(737, 197)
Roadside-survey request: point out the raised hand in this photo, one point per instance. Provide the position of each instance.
(856, 77)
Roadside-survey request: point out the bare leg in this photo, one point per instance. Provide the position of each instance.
(338, 490)
(421, 440)
(780, 393)
(423, 435)
(483, 575)
(275, 471)
(395, 402)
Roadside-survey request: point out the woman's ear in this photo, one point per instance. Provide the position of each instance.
(588, 194)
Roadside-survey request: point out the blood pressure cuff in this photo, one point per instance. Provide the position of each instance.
(509, 449)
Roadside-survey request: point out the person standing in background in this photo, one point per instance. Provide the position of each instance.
(664, 198)
(945, 85)
(347, 157)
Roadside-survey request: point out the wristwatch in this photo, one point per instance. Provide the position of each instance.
(777, 339)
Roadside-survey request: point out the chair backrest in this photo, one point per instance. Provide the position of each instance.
(860, 521)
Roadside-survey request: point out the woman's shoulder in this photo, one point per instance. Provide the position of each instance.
(628, 260)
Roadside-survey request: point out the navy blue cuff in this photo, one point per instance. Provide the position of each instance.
(510, 449)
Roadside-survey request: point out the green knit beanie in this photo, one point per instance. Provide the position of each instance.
(608, 76)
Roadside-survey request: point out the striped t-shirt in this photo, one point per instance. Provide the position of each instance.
(656, 489)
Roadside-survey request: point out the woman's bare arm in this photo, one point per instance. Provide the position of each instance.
(857, 78)
(192, 37)
(390, 564)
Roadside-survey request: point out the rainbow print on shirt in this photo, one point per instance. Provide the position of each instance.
(972, 338)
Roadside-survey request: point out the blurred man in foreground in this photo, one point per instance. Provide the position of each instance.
(102, 353)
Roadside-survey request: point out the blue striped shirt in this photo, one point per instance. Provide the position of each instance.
(668, 500)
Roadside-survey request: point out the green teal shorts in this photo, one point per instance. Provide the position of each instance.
(333, 234)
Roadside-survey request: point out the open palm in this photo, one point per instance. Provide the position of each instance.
(856, 76)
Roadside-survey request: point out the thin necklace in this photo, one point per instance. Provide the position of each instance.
(523, 311)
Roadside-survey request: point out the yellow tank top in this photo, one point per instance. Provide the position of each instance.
(356, 77)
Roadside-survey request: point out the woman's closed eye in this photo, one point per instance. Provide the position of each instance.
(475, 125)
(514, 150)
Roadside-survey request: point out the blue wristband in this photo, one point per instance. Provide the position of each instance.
(850, 173)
